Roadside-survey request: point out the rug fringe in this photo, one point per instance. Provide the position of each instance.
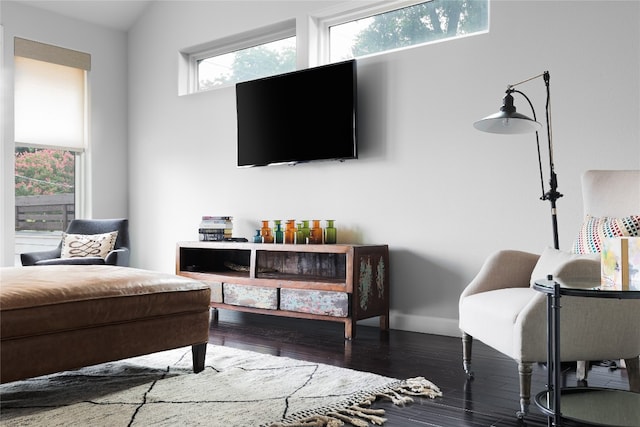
(355, 411)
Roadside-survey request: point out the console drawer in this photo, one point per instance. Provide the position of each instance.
(250, 296)
(327, 303)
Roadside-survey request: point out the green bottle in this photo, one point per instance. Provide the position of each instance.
(278, 232)
(300, 239)
(330, 232)
(306, 230)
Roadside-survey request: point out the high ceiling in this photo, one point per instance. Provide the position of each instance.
(114, 14)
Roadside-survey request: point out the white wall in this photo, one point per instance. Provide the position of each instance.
(442, 195)
(107, 160)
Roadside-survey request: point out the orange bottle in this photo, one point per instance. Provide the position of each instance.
(316, 233)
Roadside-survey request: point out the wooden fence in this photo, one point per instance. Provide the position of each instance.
(44, 213)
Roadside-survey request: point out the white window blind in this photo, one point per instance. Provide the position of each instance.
(49, 96)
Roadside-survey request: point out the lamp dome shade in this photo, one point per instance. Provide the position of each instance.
(507, 120)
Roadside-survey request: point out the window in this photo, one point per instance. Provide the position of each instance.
(337, 33)
(261, 53)
(378, 30)
(50, 129)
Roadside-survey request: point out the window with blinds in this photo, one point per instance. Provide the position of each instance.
(50, 113)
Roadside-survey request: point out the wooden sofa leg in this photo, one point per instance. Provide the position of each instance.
(467, 343)
(198, 352)
(633, 372)
(524, 370)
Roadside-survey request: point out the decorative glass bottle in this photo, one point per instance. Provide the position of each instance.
(306, 231)
(257, 238)
(300, 238)
(265, 232)
(316, 233)
(279, 234)
(290, 231)
(330, 232)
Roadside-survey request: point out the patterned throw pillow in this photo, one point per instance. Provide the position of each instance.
(595, 229)
(86, 245)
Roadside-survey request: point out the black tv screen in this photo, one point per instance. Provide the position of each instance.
(301, 116)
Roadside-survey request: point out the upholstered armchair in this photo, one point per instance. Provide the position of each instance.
(83, 232)
(501, 309)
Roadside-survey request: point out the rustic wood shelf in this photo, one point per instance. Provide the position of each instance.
(338, 283)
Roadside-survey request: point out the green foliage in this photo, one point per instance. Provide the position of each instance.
(250, 64)
(424, 22)
(43, 172)
(260, 61)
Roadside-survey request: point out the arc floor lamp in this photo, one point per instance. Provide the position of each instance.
(508, 121)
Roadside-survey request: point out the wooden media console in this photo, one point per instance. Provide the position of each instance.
(339, 283)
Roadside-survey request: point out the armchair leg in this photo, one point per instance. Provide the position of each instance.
(525, 369)
(633, 372)
(582, 370)
(467, 342)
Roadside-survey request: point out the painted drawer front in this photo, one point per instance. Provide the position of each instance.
(216, 291)
(250, 296)
(327, 303)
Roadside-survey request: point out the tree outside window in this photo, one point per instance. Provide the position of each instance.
(44, 189)
(421, 23)
(44, 172)
(264, 60)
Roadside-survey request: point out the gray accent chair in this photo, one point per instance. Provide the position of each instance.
(119, 255)
(500, 308)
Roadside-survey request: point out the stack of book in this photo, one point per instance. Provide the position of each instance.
(215, 228)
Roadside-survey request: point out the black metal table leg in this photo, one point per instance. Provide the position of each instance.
(556, 368)
(550, 354)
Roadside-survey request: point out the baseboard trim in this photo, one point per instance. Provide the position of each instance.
(421, 324)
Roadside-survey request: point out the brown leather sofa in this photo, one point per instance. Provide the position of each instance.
(61, 317)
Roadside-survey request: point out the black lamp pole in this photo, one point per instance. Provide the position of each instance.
(552, 195)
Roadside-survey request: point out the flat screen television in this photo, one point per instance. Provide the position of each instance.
(301, 116)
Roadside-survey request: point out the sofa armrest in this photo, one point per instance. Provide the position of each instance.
(119, 257)
(89, 260)
(31, 258)
(503, 269)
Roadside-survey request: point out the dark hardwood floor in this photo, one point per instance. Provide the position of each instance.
(490, 399)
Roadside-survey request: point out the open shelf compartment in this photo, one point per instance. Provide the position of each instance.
(216, 261)
(310, 266)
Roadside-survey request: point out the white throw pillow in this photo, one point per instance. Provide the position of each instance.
(566, 266)
(88, 245)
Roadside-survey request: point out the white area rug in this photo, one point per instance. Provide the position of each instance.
(237, 388)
